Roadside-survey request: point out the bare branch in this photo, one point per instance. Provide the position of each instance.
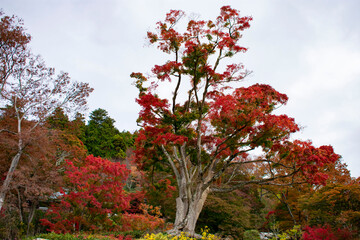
(172, 164)
(8, 131)
(265, 181)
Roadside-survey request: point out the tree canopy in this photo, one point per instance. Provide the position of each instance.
(206, 130)
(103, 139)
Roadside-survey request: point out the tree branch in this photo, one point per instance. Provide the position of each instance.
(266, 181)
(176, 172)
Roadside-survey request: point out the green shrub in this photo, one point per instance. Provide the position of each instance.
(251, 235)
(67, 236)
(294, 233)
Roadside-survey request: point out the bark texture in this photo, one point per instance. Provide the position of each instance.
(188, 210)
(9, 176)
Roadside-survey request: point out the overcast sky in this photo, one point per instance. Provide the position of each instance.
(307, 49)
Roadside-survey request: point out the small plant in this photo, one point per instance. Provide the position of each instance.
(251, 235)
(159, 236)
(68, 236)
(205, 235)
(294, 233)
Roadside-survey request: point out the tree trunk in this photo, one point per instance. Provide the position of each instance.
(9, 175)
(188, 211)
(31, 216)
(20, 206)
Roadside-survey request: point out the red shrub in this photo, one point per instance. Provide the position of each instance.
(326, 233)
(94, 197)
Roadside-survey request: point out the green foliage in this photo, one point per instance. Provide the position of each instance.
(10, 227)
(68, 134)
(294, 233)
(251, 235)
(55, 236)
(67, 236)
(58, 120)
(231, 213)
(99, 134)
(103, 139)
(83, 235)
(161, 193)
(336, 205)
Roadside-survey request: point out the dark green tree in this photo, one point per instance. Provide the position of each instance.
(103, 139)
(58, 120)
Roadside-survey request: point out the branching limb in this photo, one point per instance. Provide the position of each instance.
(172, 164)
(265, 181)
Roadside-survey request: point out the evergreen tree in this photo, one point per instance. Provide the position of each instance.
(103, 139)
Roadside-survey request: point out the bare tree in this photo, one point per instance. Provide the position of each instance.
(33, 91)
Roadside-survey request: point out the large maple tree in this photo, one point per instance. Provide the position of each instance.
(206, 130)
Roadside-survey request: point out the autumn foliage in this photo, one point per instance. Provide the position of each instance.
(92, 198)
(205, 139)
(208, 133)
(148, 219)
(326, 232)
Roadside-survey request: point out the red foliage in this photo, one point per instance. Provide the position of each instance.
(148, 220)
(326, 233)
(310, 160)
(128, 237)
(204, 133)
(31, 89)
(93, 198)
(13, 43)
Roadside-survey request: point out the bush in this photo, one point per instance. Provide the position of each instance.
(94, 198)
(67, 236)
(251, 235)
(183, 236)
(148, 220)
(294, 233)
(10, 225)
(325, 232)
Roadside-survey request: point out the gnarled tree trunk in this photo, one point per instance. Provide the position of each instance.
(188, 209)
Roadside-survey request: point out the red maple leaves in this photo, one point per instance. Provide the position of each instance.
(205, 131)
(92, 198)
(226, 124)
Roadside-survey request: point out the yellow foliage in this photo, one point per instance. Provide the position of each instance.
(183, 236)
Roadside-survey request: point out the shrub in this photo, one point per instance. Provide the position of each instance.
(67, 236)
(148, 220)
(325, 232)
(94, 198)
(205, 235)
(294, 233)
(251, 235)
